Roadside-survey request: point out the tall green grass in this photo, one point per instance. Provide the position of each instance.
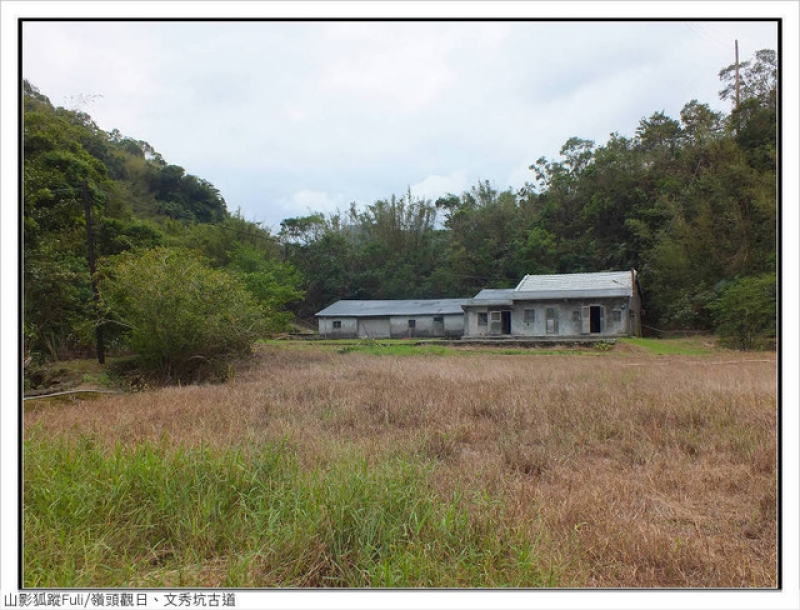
(157, 515)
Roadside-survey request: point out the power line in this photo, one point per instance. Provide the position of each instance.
(700, 29)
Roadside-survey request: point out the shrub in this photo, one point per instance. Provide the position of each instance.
(745, 312)
(182, 319)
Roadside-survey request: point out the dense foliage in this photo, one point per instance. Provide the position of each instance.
(138, 202)
(183, 319)
(689, 202)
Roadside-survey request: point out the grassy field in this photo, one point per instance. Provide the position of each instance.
(649, 465)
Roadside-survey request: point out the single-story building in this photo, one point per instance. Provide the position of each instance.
(348, 319)
(605, 304)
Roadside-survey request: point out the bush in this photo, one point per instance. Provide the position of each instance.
(745, 313)
(182, 319)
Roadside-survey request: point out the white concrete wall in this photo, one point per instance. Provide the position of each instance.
(394, 327)
(373, 328)
(569, 325)
(349, 329)
(454, 325)
(400, 330)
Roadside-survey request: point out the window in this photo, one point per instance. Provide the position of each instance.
(412, 323)
(337, 324)
(438, 318)
(617, 315)
(576, 315)
(551, 327)
(483, 319)
(495, 316)
(530, 316)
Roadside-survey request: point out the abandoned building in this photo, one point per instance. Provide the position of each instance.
(549, 306)
(597, 305)
(392, 319)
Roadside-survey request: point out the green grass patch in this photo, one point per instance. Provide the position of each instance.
(157, 515)
(687, 346)
(406, 347)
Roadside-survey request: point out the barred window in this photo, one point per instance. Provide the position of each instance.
(337, 324)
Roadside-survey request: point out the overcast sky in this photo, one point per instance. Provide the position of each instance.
(289, 117)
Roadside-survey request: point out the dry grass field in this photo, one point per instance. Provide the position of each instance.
(621, 468)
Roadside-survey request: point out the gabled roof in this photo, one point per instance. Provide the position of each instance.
(618, 282)
(564, 286)
(364, 309)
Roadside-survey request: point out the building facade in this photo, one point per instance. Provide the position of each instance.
(578, 305)
(392, 319)
(606, 304)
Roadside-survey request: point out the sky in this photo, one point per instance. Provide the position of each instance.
(286, 118)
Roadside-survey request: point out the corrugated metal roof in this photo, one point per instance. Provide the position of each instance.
(351, 309)
(611, 283)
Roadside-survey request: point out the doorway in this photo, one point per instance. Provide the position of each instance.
(506, 322)
(500, 322)
(596, 319)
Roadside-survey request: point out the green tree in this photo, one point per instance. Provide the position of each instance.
(183, 319)
(275, 285)
(745, 313)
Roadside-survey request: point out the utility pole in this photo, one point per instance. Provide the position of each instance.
(101, 352)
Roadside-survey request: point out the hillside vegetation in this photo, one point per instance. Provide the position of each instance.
(690, 202)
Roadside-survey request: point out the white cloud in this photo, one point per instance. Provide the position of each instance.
(287, 116)
(304, 203)
(434, 186)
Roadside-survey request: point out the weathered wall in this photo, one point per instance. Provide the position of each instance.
(394, 326)
(373, 328)
(451, 325)
(454, 325)
(349, 329)
(569, 322)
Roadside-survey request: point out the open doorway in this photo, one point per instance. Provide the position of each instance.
(506, 322)
(596, 319)
(500, 322)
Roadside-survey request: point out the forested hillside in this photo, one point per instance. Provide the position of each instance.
(155, 227)
(688, 201)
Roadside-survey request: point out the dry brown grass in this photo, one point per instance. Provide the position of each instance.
(633, 472)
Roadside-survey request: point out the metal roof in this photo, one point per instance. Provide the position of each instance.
(565, 286)
(364, 309)
(604, 283)
(530, 288)
(495, 293)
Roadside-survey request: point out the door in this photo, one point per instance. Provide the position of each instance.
(438, 326)
(586, 327)
(495, 323)
(596, 319)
